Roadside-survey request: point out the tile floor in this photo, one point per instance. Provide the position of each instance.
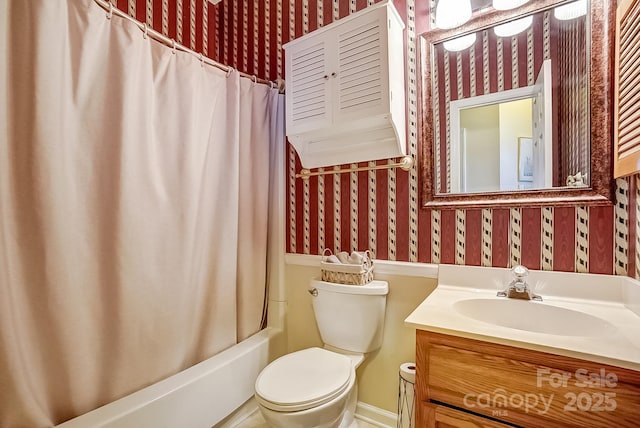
(257, 421)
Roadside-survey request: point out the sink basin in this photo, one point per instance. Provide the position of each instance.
(534, 317)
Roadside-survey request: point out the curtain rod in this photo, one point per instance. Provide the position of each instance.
(111, 10)
(406, 163)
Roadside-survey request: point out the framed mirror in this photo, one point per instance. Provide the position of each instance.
(516, 107)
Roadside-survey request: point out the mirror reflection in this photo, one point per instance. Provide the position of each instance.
(511, 105)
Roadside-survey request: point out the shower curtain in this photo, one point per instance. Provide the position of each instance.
(133, 200)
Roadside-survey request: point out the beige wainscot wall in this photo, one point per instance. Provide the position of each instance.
(378, 374)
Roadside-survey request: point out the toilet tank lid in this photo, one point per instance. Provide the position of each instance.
(373, 288)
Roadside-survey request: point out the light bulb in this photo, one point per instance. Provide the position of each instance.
(452, 13)
(460, 43)
(514, 27)
(571, 10)
(508, 4)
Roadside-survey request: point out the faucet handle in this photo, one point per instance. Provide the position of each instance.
(520, 272)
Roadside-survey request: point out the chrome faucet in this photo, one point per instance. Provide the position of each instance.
(518, 287)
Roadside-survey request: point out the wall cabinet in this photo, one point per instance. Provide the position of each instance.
(463, 382)
(345, 89)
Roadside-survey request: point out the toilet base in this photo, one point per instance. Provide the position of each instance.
(349, 420)
(344, 416)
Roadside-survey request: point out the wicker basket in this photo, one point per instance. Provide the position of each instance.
(349, 274)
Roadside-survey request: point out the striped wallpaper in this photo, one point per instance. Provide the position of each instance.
(189, 22)
(573, 99)
(381, 210)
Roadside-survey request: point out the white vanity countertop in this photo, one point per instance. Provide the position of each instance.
(614, 299)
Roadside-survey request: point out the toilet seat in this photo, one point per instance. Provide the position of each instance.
(304, 379)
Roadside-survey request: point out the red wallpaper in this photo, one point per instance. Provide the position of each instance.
(572, 99)
(380, 210)
(189, 22)
(251, 32)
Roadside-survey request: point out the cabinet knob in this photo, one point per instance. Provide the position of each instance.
(325, 77)
(334, 74)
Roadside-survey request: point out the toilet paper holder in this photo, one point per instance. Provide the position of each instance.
(406, 395)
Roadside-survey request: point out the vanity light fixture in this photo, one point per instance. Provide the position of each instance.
(452, 13)
(514, 27)
(570, 11)
(508, 4)
(460, 43)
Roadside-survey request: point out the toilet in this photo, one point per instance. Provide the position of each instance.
(317, 387)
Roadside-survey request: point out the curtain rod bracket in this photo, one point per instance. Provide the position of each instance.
(406, 163)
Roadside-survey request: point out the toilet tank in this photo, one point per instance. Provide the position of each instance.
(350, 317)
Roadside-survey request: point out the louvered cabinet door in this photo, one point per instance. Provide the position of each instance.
(362, 82)
(627, 89)
(308, 86)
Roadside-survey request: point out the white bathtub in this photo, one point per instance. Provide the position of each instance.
(198, 397)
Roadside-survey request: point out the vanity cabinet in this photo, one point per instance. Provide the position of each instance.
(345, 89)
(462, 382)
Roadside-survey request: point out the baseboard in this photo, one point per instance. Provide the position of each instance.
(248, 409)
(376, 416)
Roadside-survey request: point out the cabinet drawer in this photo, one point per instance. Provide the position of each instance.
(444, 417)
(529, 388)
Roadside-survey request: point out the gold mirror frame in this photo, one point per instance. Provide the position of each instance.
(601, 37)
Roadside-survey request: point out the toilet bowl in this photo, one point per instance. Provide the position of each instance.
(310, 388)
(316, 387)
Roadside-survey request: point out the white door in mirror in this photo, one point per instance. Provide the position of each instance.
(542, 129)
